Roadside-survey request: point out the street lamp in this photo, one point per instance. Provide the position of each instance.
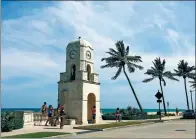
(191, 99)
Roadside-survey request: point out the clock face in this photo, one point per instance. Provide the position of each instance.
(73, 54)
(88, 54)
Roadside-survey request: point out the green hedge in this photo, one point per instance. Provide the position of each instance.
(113, 117)
(11, 120)
(18, 120)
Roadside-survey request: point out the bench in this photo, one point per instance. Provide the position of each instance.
(70, 121)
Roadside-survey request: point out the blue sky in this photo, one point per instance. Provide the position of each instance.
(35, 35)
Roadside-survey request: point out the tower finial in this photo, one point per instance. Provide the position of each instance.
(79, 37)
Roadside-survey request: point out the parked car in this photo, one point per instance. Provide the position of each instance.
(189, 114)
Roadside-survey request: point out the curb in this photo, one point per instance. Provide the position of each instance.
(66, 135)
(74, 134)
(95, 130)
(127, 126)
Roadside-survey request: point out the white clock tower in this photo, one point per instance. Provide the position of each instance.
(79, 87)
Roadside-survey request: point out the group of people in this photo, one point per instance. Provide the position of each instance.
(53, 114)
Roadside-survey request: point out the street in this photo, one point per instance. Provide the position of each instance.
(170, 129)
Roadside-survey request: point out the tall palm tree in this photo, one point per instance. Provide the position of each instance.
(193, 83)
(185, 71)
(158, 71)
(120, 58)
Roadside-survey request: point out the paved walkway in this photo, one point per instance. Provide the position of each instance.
(170, 129)
(67, 128)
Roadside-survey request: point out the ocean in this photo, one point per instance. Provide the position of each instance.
(102, 110)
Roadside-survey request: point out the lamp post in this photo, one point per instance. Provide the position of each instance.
(159, 96)
(168, 107)
(191, 99)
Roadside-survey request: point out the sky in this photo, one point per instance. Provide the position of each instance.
(35, 35)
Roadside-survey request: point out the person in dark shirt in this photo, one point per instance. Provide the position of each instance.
(62, 116)
(94, 115)
(50, 115)
(57, 114)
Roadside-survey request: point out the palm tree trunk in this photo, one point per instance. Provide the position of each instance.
(163, 97)
(191, 100)
(132, 90)
(187, 99)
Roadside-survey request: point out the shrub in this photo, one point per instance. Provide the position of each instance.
(129, 114)
(7, 121)
(18, 120)
(170, 114)
(11, 121)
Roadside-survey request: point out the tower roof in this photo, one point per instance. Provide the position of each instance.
(80, 42)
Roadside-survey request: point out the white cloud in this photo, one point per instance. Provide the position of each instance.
(34, 45)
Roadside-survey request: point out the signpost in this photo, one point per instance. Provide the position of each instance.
(159, 96)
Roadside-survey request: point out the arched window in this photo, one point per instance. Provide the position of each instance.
(88, 72)
(73, 72)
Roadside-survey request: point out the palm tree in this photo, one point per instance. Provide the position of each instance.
(193, 83)
(158, 71)
(120, 58)
(185, 71)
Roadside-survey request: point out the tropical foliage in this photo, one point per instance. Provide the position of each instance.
(158, 71)
(193, 83)
(185, 71)
(120, 59)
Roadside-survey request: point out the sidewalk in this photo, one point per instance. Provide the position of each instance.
(67, 128)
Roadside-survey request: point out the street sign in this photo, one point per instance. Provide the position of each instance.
(159, 101)
(158, 95)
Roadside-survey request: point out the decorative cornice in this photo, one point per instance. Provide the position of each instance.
(85, 81)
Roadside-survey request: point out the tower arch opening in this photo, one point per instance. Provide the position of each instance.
(73, 72)
(88, 68)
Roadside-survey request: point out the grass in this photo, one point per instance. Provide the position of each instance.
(37, 135)
(114, 124)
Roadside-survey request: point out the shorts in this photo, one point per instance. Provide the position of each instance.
(49, 115)
(94, 116)
(117, 117)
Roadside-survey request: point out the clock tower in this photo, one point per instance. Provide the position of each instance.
(79, 87)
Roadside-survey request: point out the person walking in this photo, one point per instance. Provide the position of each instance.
(118, 115)
(94, 115)
(50, 115)
(177, 111)
(62, 117)
(57, 114)
(43, 111)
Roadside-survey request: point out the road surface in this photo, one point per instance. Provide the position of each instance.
(171, 129)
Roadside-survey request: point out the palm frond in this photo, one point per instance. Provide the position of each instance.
(110, 65)
(150, 72)
(113, 51)
(112, 54)
(130, 68)
(117, 73)
(134, 58)
(169, 75)
(135, 65)
(191, 75)
(110, 59)
(127, 51)
(120, 47)
(148, 80)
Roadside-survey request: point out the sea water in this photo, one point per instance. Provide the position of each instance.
(102, 110)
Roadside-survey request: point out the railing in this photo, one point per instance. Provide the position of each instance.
(37, 117)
